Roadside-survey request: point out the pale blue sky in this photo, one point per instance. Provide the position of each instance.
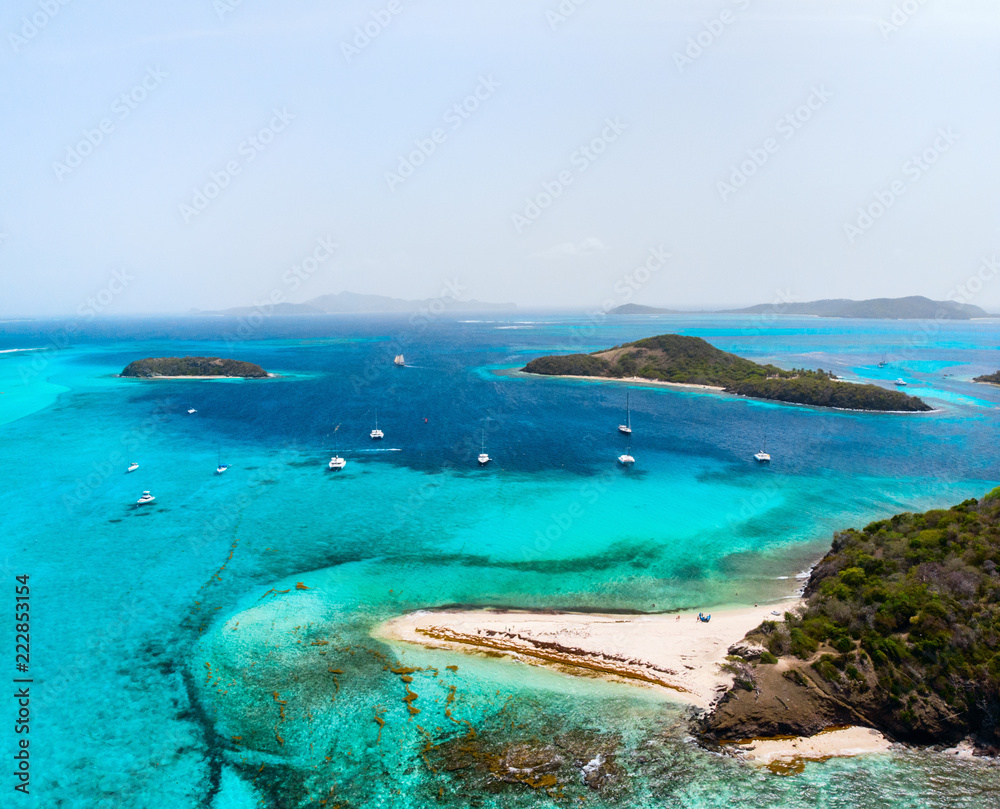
(550, 86)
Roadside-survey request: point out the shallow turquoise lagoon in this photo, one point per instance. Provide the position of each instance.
(130, 604)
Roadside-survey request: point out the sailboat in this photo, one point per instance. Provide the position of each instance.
(882, 362)
(336, 462)
(483, 457)
(376, 433)
(626, 428)
(222, 467)
(627, 459)
(762, 456)
(399, 361)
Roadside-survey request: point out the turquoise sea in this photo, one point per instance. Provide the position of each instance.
(212, 650)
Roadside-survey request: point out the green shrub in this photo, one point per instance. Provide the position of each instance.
(853, 576)
(826, 669)
(801, 645)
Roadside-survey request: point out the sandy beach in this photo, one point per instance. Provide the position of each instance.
(632, 380)
(788, 754)
(636, 380)
(674, 651)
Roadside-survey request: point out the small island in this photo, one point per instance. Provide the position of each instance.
(990, 379)
(676, 359)
(900, 631)
(193, 368)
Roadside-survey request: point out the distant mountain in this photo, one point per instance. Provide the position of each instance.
(639, 309)
(914, 307)
(344, 303)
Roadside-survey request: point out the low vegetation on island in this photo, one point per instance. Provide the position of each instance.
(992, 379)
(152, 367)
(900, 631)
(691, 360)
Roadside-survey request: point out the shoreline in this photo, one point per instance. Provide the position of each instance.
(204, 376)
(673, 651)
(638, 380)
(669, 651)
(788, 755)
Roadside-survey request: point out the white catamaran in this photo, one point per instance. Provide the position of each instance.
(627, 459)
(483, 457)
(336, 462)
(626, 428)
(762, 456)
(376, 433)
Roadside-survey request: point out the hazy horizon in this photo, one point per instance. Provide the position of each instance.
(219, 153)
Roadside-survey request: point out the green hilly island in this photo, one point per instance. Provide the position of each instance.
(152, 367)
(693, 361)
(900, 631)
(993, 379)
